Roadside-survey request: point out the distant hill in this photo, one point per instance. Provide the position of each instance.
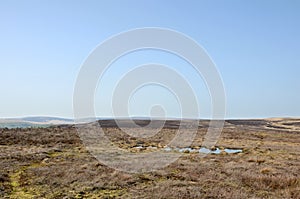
(46, 119)
(26, 122)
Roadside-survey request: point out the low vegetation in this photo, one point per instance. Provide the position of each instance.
(53, 163)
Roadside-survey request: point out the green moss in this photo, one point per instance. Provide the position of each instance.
(72, 153)
(111, 193)
(54, 154)
(17, 190)
(105, 193)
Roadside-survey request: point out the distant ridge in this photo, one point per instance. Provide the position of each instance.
(33, 121)
(45, 119)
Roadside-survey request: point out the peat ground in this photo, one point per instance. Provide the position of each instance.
(53, 163)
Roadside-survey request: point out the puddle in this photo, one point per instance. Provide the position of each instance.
(218, 151)
(139, 147)
(207, 151)
(192, 150)
(233, 150)
(203, 150)
(167, 149)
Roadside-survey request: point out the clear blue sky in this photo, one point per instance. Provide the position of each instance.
(255, 45)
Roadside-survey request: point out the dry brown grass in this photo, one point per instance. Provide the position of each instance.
(53, 163)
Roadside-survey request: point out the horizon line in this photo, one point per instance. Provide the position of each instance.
(147, 117)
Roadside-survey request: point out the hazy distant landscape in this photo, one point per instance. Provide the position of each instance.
(33, 122)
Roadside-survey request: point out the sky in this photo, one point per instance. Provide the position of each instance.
(255, 46)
